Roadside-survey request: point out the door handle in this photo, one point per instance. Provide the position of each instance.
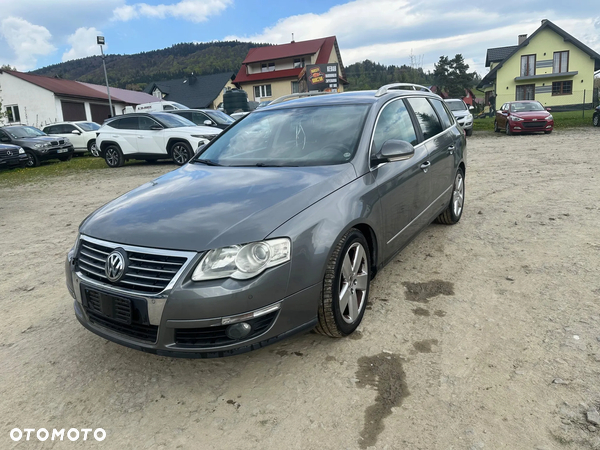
(425, 166)
(451, 149)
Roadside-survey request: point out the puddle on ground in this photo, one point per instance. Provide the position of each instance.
(421, 312)
(425, 346)
(384, 372)
(422, 292)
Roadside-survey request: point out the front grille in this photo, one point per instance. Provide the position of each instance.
(61, 142)
(121, 315)
(146, 333)
(54, 143)
(146, 272)
(14, 153)
(540, 124)
(215, 336)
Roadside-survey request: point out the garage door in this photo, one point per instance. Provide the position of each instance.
(99, 113)
(73, 111)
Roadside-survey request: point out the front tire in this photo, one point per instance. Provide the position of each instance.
(113, 156)
(32, 160)
(469, 131)
(345, 286)
(596, 120)
(508, 130)
(496, 129)
(453, 212)
(181, 152)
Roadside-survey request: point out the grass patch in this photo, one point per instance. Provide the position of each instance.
(54, 168)
(562, 120)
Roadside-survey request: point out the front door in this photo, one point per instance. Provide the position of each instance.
(402, 185)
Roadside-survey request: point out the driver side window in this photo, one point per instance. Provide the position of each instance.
(394, 123)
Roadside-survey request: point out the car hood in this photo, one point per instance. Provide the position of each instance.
(461, 113)
(198, 129)
(37, 139)
(201, 207)
(531, 114)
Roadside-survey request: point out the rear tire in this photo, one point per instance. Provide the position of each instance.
(32, 160)
(113, 156)
(469, 131)
(345, 286)
(91, 146)
(181, 152)
(496, 129)
(453, 212)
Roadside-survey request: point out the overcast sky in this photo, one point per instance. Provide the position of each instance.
(36, 33)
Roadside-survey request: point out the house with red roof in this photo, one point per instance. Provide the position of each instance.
(275, 70)
(38, 101)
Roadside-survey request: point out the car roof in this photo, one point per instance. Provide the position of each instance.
(348, 98)
(454, 100)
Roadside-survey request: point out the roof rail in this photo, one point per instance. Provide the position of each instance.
(404, 86)
(285, 98)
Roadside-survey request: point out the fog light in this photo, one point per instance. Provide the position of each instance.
(238, 330)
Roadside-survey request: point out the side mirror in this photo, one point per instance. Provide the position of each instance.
(156, 127)
(393, 150)
(471, 108)
(76, 132)
(200, 148)
(207, 122)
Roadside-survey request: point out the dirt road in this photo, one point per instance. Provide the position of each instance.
(484, 335)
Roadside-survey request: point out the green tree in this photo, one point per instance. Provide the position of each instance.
(452, 76)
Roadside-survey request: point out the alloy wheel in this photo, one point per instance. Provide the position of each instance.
(354, 281)
(180, 154)
(30, 161)
(458, 195)
(112, 157)
(94, 149)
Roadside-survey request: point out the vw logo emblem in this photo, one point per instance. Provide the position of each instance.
(115, 266)
(8, 153)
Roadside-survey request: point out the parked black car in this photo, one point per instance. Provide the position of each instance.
(596, 117)
(208, 117)
(12, 156)
(38, 145)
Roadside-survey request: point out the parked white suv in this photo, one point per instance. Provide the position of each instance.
(151, 137)
(81, 134)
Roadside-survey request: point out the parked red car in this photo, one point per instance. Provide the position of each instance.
(526, 116)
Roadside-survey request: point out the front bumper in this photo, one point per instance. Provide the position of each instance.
(530, 126)
(187, 320)
(55, 152)
(467, 124)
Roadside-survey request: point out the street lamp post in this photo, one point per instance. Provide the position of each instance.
(100, 40)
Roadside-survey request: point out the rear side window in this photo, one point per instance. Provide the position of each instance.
(443, 112)
(394, 123)
(426, 116)
(129, 123)
(49, 130)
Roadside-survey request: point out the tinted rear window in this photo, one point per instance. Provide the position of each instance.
(426, 116)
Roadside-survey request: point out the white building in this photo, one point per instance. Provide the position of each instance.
(38, 101)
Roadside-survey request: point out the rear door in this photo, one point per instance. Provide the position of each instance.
(127, 134)
(149, 140)
(402, 185)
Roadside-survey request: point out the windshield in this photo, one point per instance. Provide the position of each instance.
(173, 120)
(88, 126)
(309, 136)
(456, 106)
(220, 117)
(526, 107)
(24, 132)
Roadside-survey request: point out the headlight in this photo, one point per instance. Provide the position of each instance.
(549, 117)
(38, 145)
(21, 151)
(515, 118)
(208, 137)
(469, 117)
(242, 261)
(67, 141)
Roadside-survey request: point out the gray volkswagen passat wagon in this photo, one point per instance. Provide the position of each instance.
(275, 227)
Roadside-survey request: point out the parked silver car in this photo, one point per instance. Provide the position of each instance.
(462, 112)
(277, 226)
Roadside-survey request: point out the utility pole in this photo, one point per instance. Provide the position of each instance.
(100, 40)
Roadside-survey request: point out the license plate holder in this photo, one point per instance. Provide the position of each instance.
(62, 150)
(116, 308)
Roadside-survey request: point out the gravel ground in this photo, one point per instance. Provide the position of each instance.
(482, 335)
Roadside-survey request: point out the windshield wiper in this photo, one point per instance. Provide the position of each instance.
(208, 162)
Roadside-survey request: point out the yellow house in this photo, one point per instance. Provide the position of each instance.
(550, 66)
(273, 71)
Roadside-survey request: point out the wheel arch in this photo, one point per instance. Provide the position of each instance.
(174, 140)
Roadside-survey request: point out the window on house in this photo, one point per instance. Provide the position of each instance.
(156, 93)
(561, 62)
(562, 87)
(526, 92)
(298, 62)
(267, 67)
(527, 65)
(12, 114)
(262, 91)
(295, 87)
